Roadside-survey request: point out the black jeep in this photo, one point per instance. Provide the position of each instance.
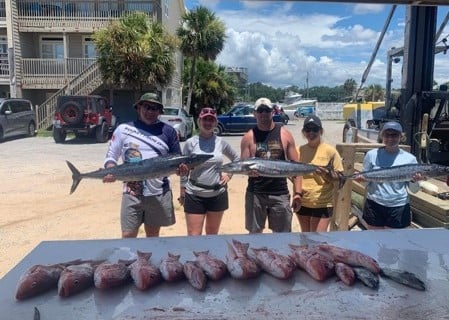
(84, 116)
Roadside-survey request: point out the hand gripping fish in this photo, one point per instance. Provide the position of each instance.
(401, 173)
(273, 168)
(139, 171)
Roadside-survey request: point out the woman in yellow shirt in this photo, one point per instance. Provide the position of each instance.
(318, 187)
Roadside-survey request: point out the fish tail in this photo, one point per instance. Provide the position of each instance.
(76, 177)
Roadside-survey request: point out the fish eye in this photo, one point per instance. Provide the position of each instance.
(34, 284)
(76, 282)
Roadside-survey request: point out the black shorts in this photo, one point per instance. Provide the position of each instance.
(201, 205)
(380, 216)
(316, 212)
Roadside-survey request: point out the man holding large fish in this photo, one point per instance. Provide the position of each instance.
(269, 197)
(150, 201)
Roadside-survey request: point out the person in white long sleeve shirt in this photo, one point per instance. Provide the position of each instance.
(204, 193)
(151, 201)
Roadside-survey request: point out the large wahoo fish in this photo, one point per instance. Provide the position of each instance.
(148, 168)
(402, 173)
(272, 168)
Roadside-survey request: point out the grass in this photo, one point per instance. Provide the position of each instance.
(44, 133)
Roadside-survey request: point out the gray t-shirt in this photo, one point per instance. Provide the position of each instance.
(207, 173)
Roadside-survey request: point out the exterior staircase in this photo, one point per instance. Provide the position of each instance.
(84, 84)
(17, 51)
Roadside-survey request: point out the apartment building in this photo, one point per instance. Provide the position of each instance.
(47, 50)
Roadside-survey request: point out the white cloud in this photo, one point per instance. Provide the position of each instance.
(368, 8)
(280, 48)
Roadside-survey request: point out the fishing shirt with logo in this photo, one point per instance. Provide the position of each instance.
(207, 173)
(135, 141)
(268, 146)
(388, 194)
(317, 191)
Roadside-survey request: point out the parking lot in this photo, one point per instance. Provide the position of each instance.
(36, 206)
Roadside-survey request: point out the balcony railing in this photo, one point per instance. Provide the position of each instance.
(2, 10)
(49, 73)
(79, 14)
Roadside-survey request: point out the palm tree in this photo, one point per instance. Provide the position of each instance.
(213, 85)
(374, 92)
(135, 52)
(202, 35)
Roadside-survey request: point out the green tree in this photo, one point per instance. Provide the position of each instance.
(213, 85)
(374, 92)
(135, 51)
(202, 34)
(350, 87)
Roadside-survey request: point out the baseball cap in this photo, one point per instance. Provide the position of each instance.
(150, 97)
(312, 119)
(392, 125)
(263, 102)
(208, 112)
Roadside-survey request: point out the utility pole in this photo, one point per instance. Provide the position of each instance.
(307, 84)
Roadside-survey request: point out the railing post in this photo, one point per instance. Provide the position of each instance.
(342, 203)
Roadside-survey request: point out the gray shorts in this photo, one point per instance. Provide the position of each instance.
(155, 211)
(259, 207)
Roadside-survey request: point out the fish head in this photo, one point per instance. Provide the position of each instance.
(36, 280)
(27, 287)
(75, 278)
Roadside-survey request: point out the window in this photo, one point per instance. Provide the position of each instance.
(89, 50)
(4, 64)
(19, 106)
(52, 48)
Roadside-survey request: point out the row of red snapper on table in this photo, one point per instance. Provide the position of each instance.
(320, 261)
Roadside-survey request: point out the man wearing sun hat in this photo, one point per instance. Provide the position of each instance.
(149, 202)
(269, 198)
(387, 204)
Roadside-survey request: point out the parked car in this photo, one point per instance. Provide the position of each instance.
(304, 111)
(179, 119)
(17, 117)
(84, 116)
(240, 119)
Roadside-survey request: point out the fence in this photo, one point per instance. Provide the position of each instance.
(329, 110)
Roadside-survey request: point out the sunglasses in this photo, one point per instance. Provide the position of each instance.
(152, 107)
(264, 110)
(208, 111)
(391, 135)
(312, 129)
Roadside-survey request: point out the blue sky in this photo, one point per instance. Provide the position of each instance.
(280, 42)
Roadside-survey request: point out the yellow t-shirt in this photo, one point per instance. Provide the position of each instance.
(317, 192)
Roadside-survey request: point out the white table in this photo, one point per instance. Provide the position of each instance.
(424, 252)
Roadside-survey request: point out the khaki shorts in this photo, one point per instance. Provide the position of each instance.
(259, 207)
(155, 211)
